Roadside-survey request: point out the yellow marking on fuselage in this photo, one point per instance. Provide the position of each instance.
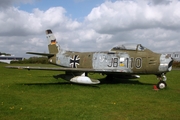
(121, 64)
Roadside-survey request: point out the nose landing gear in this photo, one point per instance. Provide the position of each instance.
(161, 84)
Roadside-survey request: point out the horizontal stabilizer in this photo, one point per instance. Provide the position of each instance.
(43, 54)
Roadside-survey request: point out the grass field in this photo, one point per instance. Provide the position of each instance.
(37, 95)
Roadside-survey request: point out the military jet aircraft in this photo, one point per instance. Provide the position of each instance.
(122, 60)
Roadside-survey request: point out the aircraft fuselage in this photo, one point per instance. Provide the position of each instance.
(132, 61)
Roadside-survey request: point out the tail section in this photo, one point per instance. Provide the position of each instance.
(52, 46)
(52, 43)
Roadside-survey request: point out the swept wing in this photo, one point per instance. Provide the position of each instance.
(66, 69)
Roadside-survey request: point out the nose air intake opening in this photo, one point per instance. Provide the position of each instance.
(170, 64)
(165, 63)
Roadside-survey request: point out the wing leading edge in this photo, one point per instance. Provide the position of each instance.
(81, 78)
(66, 69)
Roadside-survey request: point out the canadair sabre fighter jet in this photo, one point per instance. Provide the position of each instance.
(122, 60)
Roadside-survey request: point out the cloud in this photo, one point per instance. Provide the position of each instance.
(136, 21)
(151, 23)
(19, 26)
(131, 15)
(160, 2)
(20, 23)
(8, 3)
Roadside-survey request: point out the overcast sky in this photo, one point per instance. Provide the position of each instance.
(89, 25)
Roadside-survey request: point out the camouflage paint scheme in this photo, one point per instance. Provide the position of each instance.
(129, 60)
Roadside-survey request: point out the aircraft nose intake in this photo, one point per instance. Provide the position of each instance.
(170, 65)
(165, 63)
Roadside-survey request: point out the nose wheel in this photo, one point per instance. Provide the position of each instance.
(161, 84)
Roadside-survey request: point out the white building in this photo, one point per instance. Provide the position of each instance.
(175, 55)
(8, 59)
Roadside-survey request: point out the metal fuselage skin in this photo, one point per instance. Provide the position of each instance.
(122, 61)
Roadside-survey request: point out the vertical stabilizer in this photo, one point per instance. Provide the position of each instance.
(52, 43)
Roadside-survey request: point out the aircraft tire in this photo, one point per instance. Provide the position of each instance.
(161, 85)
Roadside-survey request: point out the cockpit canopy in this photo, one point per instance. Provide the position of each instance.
(138, 47)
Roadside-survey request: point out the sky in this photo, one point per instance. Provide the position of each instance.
(89, 25)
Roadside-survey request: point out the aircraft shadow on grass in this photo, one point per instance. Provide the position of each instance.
(109, 80)
(43, 84)
(102, 81)
(122, 81)
(55, 83)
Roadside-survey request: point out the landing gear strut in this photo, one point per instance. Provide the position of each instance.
(161, 84)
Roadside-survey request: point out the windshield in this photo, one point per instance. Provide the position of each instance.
(129, 47)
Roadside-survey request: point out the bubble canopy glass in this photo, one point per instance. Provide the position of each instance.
(129, 47)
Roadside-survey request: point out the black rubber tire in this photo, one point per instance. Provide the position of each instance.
(161, 85)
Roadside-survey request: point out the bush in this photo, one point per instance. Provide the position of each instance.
(176, 64)
(32, 60)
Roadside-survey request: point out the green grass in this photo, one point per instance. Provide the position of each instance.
(37, 95)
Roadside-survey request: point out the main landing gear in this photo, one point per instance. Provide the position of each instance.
(161, 84)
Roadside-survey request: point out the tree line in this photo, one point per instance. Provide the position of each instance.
(32, 60)
(5, 54)
(176, 64)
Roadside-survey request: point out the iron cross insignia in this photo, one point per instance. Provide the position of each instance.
(74, 61)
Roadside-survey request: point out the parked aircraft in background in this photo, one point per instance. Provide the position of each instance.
(128, 60)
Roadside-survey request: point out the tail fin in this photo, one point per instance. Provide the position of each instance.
(52, 43)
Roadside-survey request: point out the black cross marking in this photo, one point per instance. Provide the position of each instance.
(74, 61)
